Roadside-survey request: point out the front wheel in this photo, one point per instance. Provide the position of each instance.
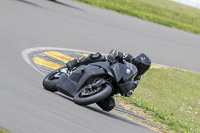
(88, 96)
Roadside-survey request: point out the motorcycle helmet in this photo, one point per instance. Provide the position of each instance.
(142, 62)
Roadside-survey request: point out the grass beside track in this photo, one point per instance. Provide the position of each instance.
(171, 97)
(163, 12)
(3, 131)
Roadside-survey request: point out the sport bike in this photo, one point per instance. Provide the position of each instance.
(92, 83)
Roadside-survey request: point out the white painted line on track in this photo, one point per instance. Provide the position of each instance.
(25, 56)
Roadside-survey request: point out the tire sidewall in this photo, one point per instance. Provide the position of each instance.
(107, 90)
(48, 84)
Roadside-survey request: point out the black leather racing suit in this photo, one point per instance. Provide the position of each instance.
(113, 56)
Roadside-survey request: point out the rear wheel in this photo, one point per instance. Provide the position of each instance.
(50, 81)
(89, 95)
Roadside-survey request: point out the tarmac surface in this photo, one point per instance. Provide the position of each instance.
(26, 107)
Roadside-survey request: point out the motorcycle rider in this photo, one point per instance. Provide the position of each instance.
(141, 61)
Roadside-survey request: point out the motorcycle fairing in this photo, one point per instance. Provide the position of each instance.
(90, 72)
(116, 70)
(119, 71)
(131, 72)
(68, 86)
(126, 87)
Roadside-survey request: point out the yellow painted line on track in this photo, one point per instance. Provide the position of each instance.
(82, 54)
(132, 119)
(155, 129)
(46, 63)
(58, 56)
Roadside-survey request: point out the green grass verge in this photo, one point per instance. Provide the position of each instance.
(163, 12)
(173, 97)
(3, 131)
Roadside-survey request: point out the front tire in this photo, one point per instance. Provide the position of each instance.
(105, 91)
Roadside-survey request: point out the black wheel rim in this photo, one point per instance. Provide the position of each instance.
(88, 91)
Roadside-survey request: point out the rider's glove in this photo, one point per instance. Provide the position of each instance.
(129, 93)
(111, 59)
(116, 54)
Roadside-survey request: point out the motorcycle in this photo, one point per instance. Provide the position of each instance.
(92, 83)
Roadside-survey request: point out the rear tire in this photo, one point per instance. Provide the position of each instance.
(102, 94)
(49, 81)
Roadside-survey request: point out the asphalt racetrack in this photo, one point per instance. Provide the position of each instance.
(25, 107)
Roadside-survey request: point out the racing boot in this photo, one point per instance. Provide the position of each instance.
(107, 104)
